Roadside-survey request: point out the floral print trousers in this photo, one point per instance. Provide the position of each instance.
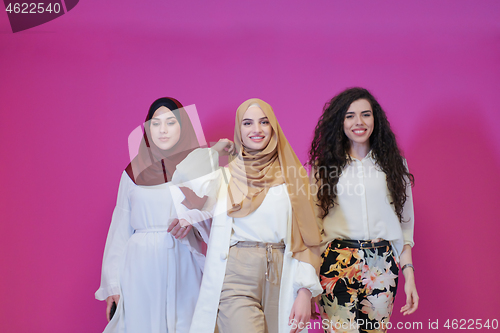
(359, 286)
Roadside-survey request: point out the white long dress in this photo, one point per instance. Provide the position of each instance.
(157, 276)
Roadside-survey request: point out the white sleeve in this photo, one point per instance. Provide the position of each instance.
(207, 185)
(200, 172)
(306, 277)
(408, 216)
(116, 242)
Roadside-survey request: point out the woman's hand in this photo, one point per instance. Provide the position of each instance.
(411, 294)
(410, 288)
(109, 303)
(301, 311)
(225, 147)
(177, 230)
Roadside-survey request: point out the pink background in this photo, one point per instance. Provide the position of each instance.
(72, 90)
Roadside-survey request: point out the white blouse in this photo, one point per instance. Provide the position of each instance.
(363, 209)
(269, 224)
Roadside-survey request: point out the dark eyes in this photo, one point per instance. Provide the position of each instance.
(349, 116)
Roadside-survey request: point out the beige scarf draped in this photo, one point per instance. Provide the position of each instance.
(255, 171)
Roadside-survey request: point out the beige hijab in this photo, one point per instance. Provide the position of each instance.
(255, 171)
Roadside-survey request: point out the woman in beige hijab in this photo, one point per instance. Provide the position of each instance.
(263, 252)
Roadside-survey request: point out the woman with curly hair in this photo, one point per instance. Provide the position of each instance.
(365, 209)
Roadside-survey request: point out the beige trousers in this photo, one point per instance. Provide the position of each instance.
(249, 299)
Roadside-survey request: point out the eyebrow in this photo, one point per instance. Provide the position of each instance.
(160, 119)
(247, 119)
(361, 111)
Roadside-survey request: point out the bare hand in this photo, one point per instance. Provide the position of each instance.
(225, 147)
(109, 303)
(411, 297)
(177, 230)
(301, 311)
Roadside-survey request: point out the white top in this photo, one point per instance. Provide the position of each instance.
(363, 209)
(269, 224)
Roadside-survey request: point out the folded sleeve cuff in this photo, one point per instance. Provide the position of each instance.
(104, 292)
(306, 277)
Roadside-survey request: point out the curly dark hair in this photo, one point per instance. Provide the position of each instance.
(329, 152)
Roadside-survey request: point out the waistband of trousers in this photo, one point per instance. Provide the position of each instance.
(358, 244)
(260, 245)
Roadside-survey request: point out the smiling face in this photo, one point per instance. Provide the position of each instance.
(256, 131)
(165, 128)
(359, 123)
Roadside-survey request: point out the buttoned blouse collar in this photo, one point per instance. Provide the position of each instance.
(368, 156)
